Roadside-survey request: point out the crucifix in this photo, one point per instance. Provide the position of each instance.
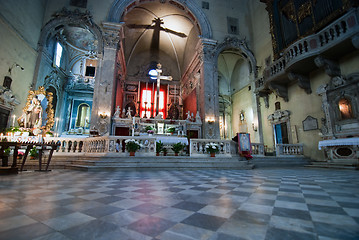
(159, 77)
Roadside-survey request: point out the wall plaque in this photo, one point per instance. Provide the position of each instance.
(310, 123)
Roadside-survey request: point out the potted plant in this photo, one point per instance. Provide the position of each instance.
(34, 153)
(5, 157)
(164, 150)
(212, 148)
(159, 147)
(132, 146)
(171, 130)
(177, 148)
(20, 154)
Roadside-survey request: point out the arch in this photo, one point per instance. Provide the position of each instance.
(66, 17)
(120, 7)
(235, 43)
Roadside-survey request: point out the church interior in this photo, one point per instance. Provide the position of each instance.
(202, 89)
(284, 72)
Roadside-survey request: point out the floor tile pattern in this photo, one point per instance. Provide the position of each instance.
(181, 205)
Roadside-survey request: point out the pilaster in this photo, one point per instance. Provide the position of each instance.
(208, 95)
(104, 91)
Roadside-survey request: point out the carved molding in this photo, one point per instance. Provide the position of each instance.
(7, 98)
(331, 67)
(303, 81)
(66, 17)
(280, 90)
(279, 116)
(111, 34)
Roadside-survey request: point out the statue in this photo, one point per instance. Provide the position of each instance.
(117, 112)
(198, 118)
(32, 115)
(188, 116)
(128, 114)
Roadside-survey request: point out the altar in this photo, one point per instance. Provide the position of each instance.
(341, 150)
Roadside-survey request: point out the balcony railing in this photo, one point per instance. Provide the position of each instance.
(340, 30)
(289, 149)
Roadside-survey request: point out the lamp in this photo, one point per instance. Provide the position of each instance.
(103, 115)
(15, 65)
(254, 126)
(210, 120)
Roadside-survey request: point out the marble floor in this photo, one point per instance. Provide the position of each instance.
(257, 204)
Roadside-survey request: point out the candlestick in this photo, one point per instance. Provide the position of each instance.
(175, 94)
(168, 93)
(139, 91)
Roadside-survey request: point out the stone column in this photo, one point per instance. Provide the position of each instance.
(208, 90)
(104, 90)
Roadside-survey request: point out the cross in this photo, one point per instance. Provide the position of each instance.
(159, 77)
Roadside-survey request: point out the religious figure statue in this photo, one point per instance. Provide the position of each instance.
(32, 116)
(117, 112)
(128, 114)
(198, 118)
(188, 116)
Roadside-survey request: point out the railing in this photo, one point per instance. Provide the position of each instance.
(67, 145)
(289, 149)
(258, 149)
(226, 147)
(343, 28)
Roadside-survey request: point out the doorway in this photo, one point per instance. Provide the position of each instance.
(281, 133)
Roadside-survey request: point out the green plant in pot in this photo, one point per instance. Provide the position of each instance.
(34, 153)
(159, 147)
(164, 150)
(177, 148)
(5, 157)
(132, 146)
(171, 130)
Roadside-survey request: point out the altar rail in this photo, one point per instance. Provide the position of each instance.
(226, 147)
(257, 149)
(289, 149)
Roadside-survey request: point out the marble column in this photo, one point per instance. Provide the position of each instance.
(208, 90)
(104, 91)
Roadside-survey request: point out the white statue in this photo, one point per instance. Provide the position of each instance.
(117, 112)
(198, 118)
(188, 116)
(128, 114)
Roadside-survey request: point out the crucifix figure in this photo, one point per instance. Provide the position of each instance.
(159, 77)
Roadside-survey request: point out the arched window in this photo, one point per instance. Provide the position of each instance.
(345, 109)
(58, 54)
(83, 115)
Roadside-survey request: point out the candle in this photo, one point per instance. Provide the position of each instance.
(153, 92)
(139, 90)
(25, 123)
(175, 94)
(168, 94)
(13, 120)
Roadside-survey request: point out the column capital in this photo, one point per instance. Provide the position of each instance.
(111, 33)
(206, 49)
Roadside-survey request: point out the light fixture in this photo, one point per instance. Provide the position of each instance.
(15, 65)
(254, 126)
(103, 115)
(210, 120)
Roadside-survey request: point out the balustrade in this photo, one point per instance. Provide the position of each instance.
(226, 147)
(340, 30)
(289, 149)
(258, 149)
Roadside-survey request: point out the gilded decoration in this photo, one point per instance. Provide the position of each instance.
(33, 112)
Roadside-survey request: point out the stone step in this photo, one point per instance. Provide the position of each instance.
(332, 165)
(271, 161)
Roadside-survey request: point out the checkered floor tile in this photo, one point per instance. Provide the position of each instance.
(190, 204)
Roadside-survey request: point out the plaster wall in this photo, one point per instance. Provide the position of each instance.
(25, 17)
(13, 49)
(242, 101)
(260, 32)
